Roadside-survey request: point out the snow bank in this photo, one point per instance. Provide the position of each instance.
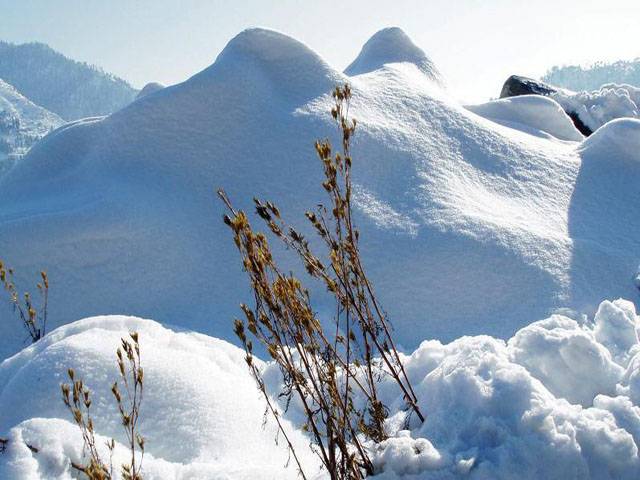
(560, 400)
(552, 402)
(201, 412)
(121, 212)
(531, 113)
(598, 107)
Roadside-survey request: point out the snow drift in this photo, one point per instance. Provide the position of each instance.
(485, 227)
(559, 400)
(600, 106)
(540, 114)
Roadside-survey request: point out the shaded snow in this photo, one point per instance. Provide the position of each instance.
(559, 400)
(491, 226)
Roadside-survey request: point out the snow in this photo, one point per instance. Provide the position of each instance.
(532, 113)
(149, 88)
(392, 45)
(22, 123)
(491, 226)
(618, 140)
(598, 107)
(559, 400)
(201, 410)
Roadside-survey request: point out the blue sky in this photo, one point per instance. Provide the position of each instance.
(476, 44)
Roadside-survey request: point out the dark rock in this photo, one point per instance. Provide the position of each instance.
(516, 85)
(582, 128)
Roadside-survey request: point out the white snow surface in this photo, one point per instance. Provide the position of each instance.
(201, 411)
(559, 400)
(600, 106)
(542, 115)
(392, 45)
(484, 227)
(22, 123)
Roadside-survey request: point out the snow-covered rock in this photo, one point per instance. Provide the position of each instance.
(559, 400)
(484, 227)
(22, 123)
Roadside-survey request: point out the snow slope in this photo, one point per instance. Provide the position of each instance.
(468, 226)
(22, 123)
(559, 401)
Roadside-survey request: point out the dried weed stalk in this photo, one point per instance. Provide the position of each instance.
(77, 398)
(33, 319)
(325, 372)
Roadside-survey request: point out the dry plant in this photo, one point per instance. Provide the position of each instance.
(77, 398)
(33, 319)
(327, 373)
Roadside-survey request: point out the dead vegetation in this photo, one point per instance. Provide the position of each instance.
(77, 397)
(32, 316)
(328, 372)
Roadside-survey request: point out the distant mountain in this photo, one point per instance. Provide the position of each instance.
(22, 123)
(66, 87)
(577, 78)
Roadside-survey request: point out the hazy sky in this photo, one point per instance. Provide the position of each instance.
(477, 44)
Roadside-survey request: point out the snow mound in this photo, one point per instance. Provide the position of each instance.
(121, 210)
(149, 88)
(530, 113)
(201, 412)
(559, 400)
(598, 107)
(268, 59)
(392, 45)
(618, 139)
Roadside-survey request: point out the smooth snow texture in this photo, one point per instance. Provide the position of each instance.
(484, 227)
(392, 45)
(201, 413)
(600, 106)
(532, 113)
(149, 88)
(559, 401)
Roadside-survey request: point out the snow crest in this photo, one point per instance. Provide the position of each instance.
(392, 45)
